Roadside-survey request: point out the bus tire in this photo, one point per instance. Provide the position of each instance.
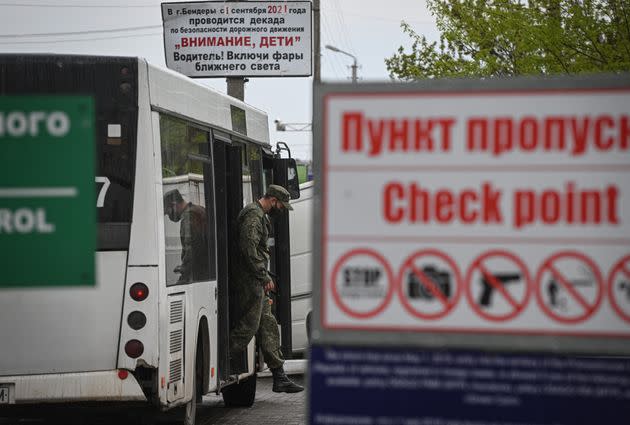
(241, 394)
(189, 411)
(308, 327)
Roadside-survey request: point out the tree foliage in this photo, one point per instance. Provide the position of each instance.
(179, 139)
(494, 38)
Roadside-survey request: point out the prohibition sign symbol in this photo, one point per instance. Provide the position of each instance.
(578, 293)
(619, 285)
(369, 261)
(495, 271)
(431, 283)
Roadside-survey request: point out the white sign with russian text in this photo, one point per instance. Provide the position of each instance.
(223, 39)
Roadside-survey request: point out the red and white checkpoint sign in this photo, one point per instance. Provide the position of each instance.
(519, 200)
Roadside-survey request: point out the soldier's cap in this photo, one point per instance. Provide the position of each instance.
(172, 197)
(281, 194)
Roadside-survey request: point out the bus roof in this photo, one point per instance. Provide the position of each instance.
(175, 93)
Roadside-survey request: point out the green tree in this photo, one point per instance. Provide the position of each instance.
(179, 139)
(480, 38)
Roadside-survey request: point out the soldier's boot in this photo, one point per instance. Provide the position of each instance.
(282, 383)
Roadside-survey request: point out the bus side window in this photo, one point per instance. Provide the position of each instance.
(254, 155)
(189, 228)
(248, 193)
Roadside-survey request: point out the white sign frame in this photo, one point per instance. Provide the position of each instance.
(238, 39)
(350, 191)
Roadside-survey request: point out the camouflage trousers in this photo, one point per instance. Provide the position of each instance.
(256, 318)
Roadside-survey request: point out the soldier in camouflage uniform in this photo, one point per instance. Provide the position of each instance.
(252, 284)
(193, 233)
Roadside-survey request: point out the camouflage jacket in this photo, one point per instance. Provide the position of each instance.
(253, 254)
(193, 233)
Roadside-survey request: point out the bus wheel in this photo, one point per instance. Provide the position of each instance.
(241, 394)
(308, 327)
(190, 408)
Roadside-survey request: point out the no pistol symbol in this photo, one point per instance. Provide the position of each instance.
(498, 286)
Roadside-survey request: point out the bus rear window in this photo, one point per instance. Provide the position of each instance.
(113, 82)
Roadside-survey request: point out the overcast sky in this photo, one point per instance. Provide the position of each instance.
(368, 29)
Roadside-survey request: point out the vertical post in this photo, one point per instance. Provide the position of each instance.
(236, 85)
(354, 61)
(282, 263)
(316, 41)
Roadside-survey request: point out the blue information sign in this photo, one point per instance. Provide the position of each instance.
(374, 386)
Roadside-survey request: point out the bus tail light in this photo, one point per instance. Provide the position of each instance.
(136, 320)
(139, 291)
(123, 374)
(134, 348)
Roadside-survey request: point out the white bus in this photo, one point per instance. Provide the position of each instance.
(148, 330)
(301, 236)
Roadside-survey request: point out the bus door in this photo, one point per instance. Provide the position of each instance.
(189, 245)
(283, 172)
(229, 202)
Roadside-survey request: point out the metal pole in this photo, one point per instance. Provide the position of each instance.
(236, 85)
(316, 43)
(354, 61)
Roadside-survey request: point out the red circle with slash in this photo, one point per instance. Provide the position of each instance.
(589, 308)
(429, 285)
(622, 266)
(478, 265)
(389, 292)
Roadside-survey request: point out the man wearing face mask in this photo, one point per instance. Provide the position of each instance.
(252, 283)
(193, 233)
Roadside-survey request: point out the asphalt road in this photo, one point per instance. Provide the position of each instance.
(269, 408)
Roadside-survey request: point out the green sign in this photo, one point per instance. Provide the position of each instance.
(47, 196)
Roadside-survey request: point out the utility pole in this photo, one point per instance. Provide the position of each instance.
(354, 71)
(236, 85)
(316, 47)
(354, 61)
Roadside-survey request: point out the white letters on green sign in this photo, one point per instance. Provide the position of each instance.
(21, 124)
(24, 220)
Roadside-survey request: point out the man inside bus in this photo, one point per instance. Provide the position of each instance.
(193, 233)
(253, 283)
